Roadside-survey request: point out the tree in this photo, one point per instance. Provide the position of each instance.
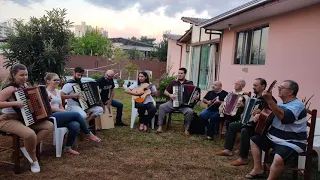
(134, 54)
(162, 49)
(118, 55)
(92, 43)
(147, 40)
(42, 44)
(130, 68)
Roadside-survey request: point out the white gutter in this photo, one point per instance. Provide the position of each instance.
(232, 12)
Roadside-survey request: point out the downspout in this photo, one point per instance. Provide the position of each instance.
(181, 45)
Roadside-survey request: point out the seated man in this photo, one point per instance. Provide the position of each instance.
(73, 104)
(215, 119)
(168, 106)
(247, 130)
(287, 135)
(213, 99)
(106, 85)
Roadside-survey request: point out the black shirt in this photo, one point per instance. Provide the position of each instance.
(212, 95)
(105, 85)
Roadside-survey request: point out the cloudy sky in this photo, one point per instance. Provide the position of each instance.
(123, 18)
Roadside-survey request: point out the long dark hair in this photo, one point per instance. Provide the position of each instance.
(145, 75)
(13, 71)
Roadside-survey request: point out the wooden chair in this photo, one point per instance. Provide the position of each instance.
(15, 148)
(306, 170)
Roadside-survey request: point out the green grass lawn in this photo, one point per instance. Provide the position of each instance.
(126, 153)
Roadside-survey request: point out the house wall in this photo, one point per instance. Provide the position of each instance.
(292, 53)
(173, 56)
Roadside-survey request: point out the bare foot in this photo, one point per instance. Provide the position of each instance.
(141, 127)
(187, 133)
(71, 151)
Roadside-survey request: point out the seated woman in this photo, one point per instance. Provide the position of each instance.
(12, 122)
(72, 120)
(147, 104)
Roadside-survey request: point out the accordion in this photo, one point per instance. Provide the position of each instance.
(185, 95)
(251, 104)
(229, 105)
(89, 94)
(36, 104)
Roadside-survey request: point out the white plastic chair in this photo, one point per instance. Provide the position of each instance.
(134, 113)
(58, 136)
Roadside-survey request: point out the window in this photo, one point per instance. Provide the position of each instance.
(251, 46)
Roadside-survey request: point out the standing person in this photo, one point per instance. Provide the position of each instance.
(106, 85)
(11, 119)
(146, 109)
(72, 120)
(73, 104)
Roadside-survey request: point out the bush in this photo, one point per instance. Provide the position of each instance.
(163, 84)
(96, 76)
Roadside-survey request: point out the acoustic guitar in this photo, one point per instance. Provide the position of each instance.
(266, 116)
(144, 89)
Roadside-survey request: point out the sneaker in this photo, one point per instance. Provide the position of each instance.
(35, 167)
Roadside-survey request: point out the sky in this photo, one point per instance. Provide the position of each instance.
(123, 18)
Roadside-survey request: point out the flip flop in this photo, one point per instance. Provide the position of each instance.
(256, 176)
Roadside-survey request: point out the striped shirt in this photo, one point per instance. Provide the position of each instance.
(291, 131)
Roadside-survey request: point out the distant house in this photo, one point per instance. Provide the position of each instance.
(128, 44)
(272, 39)
(196, 50)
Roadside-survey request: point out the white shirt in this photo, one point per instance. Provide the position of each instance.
(55, 99)
(68, 90)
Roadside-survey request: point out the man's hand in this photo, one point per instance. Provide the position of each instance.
(239, 104)
(108, 103)
(256, 111)
(217, 101)
(256, 117)
(172, 97)
(220, 108)
(76, 95)
(267, 95)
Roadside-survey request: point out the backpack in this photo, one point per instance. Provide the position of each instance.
(197, 125)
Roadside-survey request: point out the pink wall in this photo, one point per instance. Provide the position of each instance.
(3, 71)
(293, 47)
(173, 56)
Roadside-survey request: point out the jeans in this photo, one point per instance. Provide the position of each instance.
(73, 121)
(119, 107)
(206, 114)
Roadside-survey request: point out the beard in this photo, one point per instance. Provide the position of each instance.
(78, 80)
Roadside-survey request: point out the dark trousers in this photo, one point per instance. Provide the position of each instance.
(119, 107)
(145, 118)
(245, 135)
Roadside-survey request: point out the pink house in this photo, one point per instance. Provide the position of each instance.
(272, 39)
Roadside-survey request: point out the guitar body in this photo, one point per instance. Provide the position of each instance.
(265, 120)
(144, 89)
(266, 116)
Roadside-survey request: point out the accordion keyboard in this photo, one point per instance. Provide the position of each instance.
(82, 100)
(25, 110)
(175, 102)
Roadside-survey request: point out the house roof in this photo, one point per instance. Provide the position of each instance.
(187, 36)
(193, 20)
(173, 36)
(129, 42)
(254, 10)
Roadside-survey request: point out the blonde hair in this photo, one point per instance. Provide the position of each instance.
(49, 76)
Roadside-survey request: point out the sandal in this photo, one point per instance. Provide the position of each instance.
(93, 138)
(255, 176)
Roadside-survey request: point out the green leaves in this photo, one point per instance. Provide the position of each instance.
(42, 44)
(92, 43)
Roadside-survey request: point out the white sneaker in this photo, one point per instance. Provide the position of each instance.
(35, 167)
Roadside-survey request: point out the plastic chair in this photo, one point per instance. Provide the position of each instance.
(134, 114)
(58, 136)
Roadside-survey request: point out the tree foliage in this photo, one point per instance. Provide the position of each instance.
(144, 39)
(161, 49)
(92, 43)
(130, 68)
(134, 54)
(42, 44)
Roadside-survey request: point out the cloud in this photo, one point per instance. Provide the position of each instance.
(172, 7)
(26, 2)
